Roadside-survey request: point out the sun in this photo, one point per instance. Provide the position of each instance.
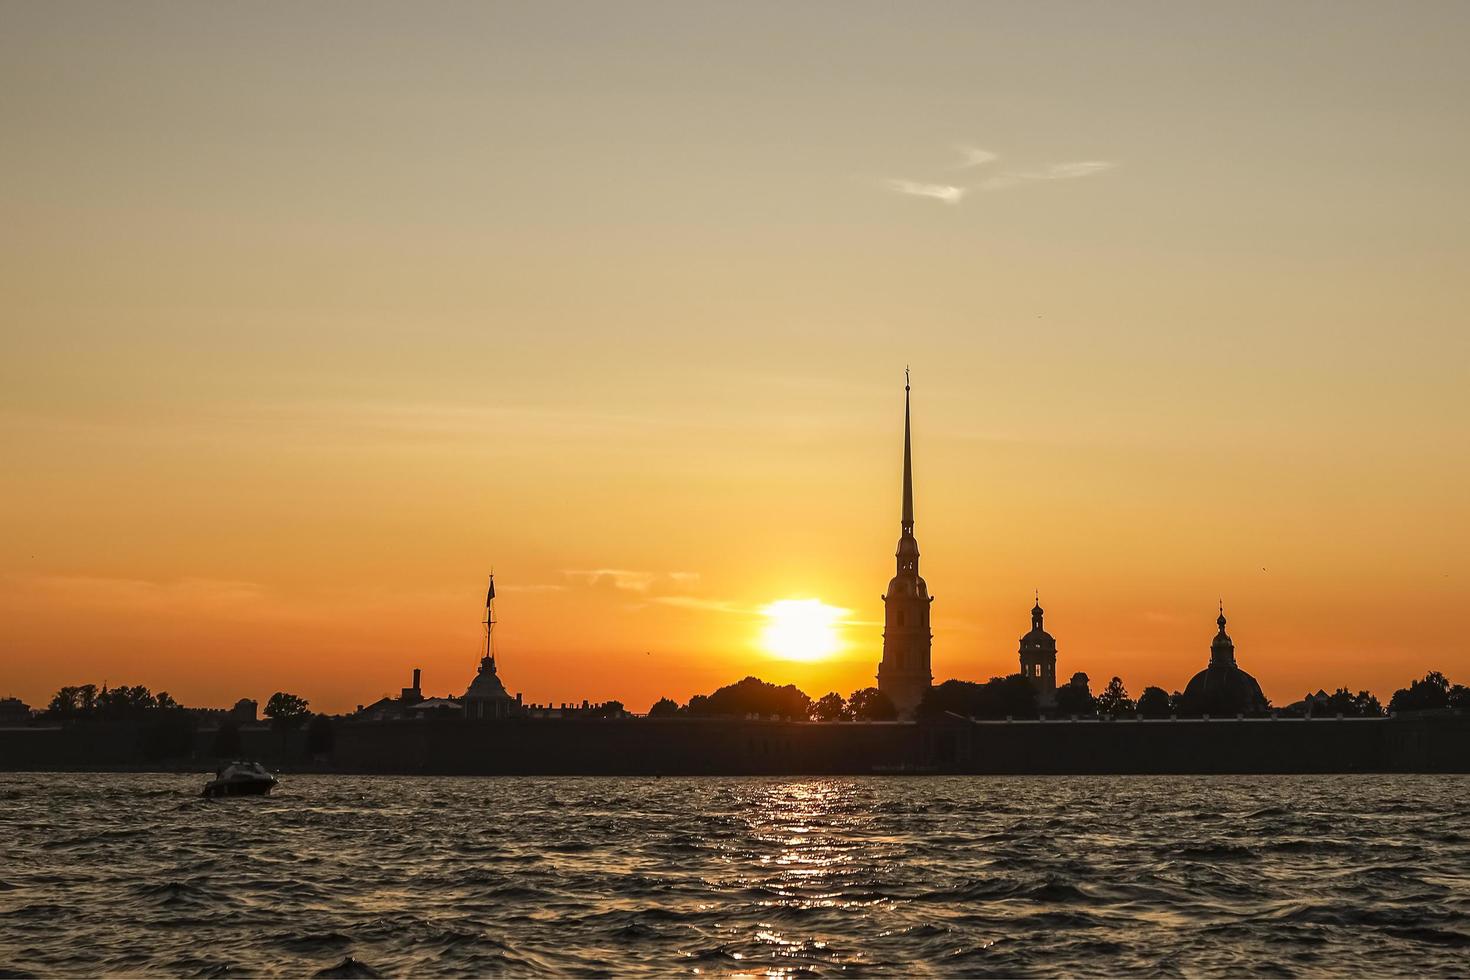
(801, 629)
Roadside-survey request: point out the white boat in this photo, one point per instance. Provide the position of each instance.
(240, 779)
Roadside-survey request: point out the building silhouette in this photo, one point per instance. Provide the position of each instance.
(1223, 688)
(904, 674)
(487, 699)
(1039, 659)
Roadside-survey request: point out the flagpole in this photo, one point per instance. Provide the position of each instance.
(490, 619)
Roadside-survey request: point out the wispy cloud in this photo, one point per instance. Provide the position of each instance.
(948, 193)
(1052, 171)
(142, 594)
(619, 578)
(976, 157)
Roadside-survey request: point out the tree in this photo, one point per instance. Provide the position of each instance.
(999, 697)
(320, 736)
(664, 708)
(1075, 697)
(752, 696)
(1459, 697)
(1426, 695)
(126, 702)
(286, 710)
(830, 707)
(166, 701)
(1154, 703)
(871, 704)
(65, 703)
(1114, 700)
(1344, 702)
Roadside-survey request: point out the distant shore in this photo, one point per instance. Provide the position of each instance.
(1430, 742)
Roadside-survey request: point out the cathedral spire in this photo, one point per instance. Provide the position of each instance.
(908, 468)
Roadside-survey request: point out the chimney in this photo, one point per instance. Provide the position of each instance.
(416, 674)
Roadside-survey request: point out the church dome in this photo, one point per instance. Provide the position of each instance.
(1223, 688)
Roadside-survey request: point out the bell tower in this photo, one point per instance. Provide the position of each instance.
(904, 673)
(1039, 659)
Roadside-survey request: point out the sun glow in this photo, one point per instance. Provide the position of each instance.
(801, 629)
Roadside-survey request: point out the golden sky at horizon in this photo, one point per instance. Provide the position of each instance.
(312, 314)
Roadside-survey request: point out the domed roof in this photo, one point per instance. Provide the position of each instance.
(1224, 690)
(907, 586)
(1037, 638)
(487, 683)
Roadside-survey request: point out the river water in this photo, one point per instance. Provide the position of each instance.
(1282, 876)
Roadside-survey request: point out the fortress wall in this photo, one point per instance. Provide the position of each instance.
(681, 746)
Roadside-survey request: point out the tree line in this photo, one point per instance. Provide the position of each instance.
(167, 729)
(753, 696)
(1015, 697)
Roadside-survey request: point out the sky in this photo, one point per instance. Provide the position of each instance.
(311, 315)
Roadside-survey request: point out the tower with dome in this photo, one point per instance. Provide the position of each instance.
(1222, 688)
(1039, 659)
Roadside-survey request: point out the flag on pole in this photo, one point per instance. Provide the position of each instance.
(491, 594)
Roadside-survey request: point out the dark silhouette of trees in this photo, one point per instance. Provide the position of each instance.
(830, 707)
(64, 703)
(1425, 695)
(1344, 702)
(664, 708)
(321, 737)
(999, 697)
(1459, 697)
(752, 696)
(126, 702)
(85, 702)
(286, 710)
(871, 704)
(1114, 700)
(1154, 703)
(1075, 697)
(226, 744)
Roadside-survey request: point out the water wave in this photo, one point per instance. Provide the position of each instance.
(132, 874)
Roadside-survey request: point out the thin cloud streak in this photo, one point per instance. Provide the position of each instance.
(976, 157)
(1054, 171)
(621, 578)
(948, 193)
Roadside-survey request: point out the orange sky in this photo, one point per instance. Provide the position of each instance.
(312, 315)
